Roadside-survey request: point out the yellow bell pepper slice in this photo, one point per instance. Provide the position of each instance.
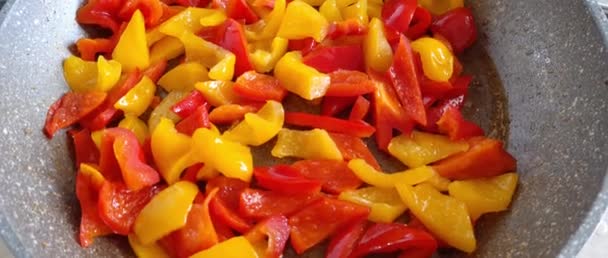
(189, 20)
(152, 250)
(83, 75)
(445, 216)
(302, 21)
(218, 93)
(183, 77)
(440, 183)
(299, 78)
(96, 137)
(439, 7)
(166, 49)
(420, 148)
(137, 100)
(213, 19)
(166, 212)
(356, 11)
(268, 27)
(377, 51)
(437, 60)
(265, 54)
(256, 129)
(171, 150)
(132, 49)
(329, 9)
(93, 174)
(371, 176)
(153, 36)
(374, 8)
(236, 247)
(163, 110)
(219, 61)
(135, 125)
(230, 158)
(384, 203)
(313, 144)
(485, 195)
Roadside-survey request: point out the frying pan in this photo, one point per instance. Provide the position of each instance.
(541, 70)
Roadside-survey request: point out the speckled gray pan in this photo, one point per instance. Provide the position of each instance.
(541, 83)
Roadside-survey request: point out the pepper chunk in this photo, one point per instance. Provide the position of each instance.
(269, 236)
(420, 148)
(437, 60)
(299, 78)
(371, 176)
(138, 98)
(259, 87)
(259, 204)
(354, 128)
(388, 238)
(70, 108)
(285, 179)
(83, 75)
(485, 195)
(314, 144)
(334, 175)
(132, 49)
(256, 129)
(183, 77)
(376, 49)
(384, 203)
(170, 150)
(237, 164)
(301, 21)
(236, 247)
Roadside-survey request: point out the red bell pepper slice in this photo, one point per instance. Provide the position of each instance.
(405, 82)
(419, 24)
(259, 87)
(350, 27)
(458, 27)
(305, 45)
(157, 70)
(100, 13)
(71, 108)
(228, 217)
(228, 114)
(335, 175)
(232, 38)
(237, 10)
(344, 241)
(89, 48)
(389, 238)
(129, 155)
(103, 114)
(259, 204)
(152, 11)
(353, 147)
(196, 120)
(185, 107)
(485, 158)
(456, 127)
(360, 109)
(229, 192)
(321, 219)
(119, 207)
(84, 147)
(223, 231)
(273, 233)
(198, 234)
(193, 3)
(355, 128)
(398, 14)
(327, 59)
(332, 106)
(454, 97)
(91, 224)
(191, 173)
(347, 83)
(286, 180)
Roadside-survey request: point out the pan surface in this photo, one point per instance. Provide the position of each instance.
(541, 70)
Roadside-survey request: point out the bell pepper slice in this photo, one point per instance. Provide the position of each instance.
(388, 238)
(420, 24)
(136, 126)
(258, 128)
(259, 87)
(345, 240)
(236, 247)
(229, 192)
(227, 216)
(441, 7)
(265, 54)
(90, 48)
(345, 83)
(454, 125)
(152, 10)
(259, 204)
(360, 109)
(355, 128)
(353, 147)
(183, 77)
(321, 219)
(163, 109)
(332, 106)
(485, 158)
(286, 180)
(357, 10)
(376, 49)
(458, 27)
(302, 20)
(198, 233)
(206, 146)
(166, 48)
(119, 206)
(156, 70)
(218, 93)
(231, 113)
(384, 203)
(232, 38)
(88, 183)
(138, 99)
(166, 212)
(188, 20)
(132, 49)
(153, 250)
(373, 177)
(445, 216)
(188, 105)
(71, 108)
(328, 59)
(84, 148)
(335, 176)
(299, 78)
(398, 14)
(219, 61)
(269, 26)
(350, 27)
(198, 119)
(421, 149)
(100, 13)
(269, 236)
(404, 79)
(305, 45)
(83, 75)
(437, 60)
(313, 144)
(170, 150)
(329, 9)
(237, 10)
(485, 195)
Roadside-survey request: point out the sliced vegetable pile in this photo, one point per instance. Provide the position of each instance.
(146, 103)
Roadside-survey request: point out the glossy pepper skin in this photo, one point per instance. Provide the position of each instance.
(421, 148)
(376, 49)
(371, 176)
(83, 75)
(335, 176)
(258, 128)
(170, 150)
(437, 60)
(405, 82)
(398, 14)
(458, 27)
(132, 49)
(137, 99)
(301, 20)
(485, 195)
(88, 183)
(299, 78)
